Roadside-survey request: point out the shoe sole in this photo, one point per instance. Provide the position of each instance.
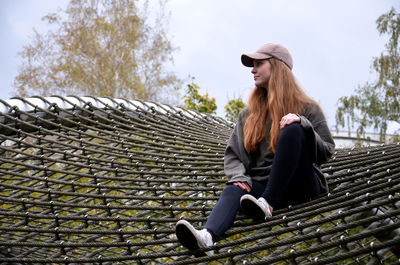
(252, 210)
(186, 237)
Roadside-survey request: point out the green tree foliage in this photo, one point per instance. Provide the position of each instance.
(233, 108)
(377, 104)
(194, 101)
(101, 48)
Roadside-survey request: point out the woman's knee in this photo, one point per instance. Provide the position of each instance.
(292, 130)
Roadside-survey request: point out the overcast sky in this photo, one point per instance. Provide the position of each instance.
(332, 42)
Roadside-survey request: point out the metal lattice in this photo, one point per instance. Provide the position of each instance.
(103, 181)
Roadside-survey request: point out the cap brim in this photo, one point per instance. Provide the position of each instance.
(247, 59)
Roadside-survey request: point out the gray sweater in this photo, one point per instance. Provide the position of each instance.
(244, 167)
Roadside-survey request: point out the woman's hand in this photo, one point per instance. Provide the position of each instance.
(243, 185)
(288, 119)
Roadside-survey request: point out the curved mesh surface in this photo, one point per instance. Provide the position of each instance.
(106, 183)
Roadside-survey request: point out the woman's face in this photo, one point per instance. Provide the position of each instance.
(261, 71)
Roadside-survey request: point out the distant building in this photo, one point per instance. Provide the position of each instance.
(345, 139)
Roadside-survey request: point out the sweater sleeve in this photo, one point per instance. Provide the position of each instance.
(235, 168)
(315, 125)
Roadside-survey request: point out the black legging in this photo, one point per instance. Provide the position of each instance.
(291, 181)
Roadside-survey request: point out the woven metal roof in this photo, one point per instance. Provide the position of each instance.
(103, 181)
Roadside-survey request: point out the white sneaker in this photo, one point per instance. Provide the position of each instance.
(257, 209)
(192, 238)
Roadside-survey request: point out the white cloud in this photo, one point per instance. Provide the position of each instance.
(18, 20)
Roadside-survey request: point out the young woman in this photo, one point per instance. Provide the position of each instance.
(273, 155)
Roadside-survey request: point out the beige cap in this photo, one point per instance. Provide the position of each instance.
(269, 50)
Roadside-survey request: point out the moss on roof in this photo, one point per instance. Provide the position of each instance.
(103, 181)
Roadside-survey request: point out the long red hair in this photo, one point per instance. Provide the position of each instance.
(283, 96)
